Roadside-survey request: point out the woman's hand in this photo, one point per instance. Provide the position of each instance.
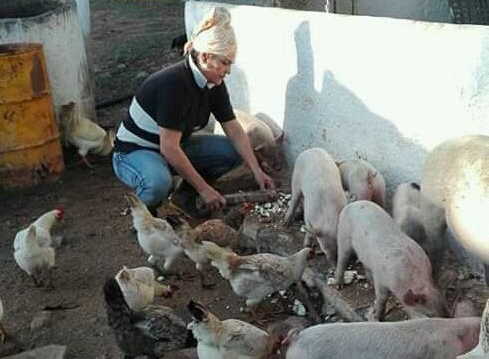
(212, 198)
(264, 180)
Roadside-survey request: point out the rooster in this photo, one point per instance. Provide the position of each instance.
(33, 258)
(481, 351)
(43, 226)
(191, 240)
(256, 276)
(140, 287)
(151, 331)
(227, 339)
(85, 134)
(155, 235)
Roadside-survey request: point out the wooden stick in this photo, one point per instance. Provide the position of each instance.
(332, 296)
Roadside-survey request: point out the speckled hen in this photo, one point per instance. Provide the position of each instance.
(151, 331)
(256, 276)
(227, 339)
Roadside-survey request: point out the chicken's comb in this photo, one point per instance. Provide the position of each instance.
(61, 211)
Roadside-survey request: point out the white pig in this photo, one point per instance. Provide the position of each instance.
(406, 211)
(265, 144)
(316, 179)
(412, 339)
(397, 264)
(362, 181)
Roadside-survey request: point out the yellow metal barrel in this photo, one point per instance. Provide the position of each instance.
(30, 149)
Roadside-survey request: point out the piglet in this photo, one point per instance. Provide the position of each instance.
(406, 211)
(316, 180)
(362, 181)
(396, 263)
(265, 140)
(412, 339)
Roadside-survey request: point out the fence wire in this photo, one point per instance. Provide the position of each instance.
(470, 11)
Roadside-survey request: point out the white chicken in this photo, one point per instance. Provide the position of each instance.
(258, 275)
(33, 258)
(43, 226)
(85, 134)
(155, 235)
(227, 339)
(481, 351)
(139, 287)
(3, 333)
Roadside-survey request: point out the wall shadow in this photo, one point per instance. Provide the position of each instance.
(334, 118)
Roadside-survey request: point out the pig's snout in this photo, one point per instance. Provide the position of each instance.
(426, 305)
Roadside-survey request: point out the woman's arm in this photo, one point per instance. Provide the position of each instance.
(235, 132)
(173, 153)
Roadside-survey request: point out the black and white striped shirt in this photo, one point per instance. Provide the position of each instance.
(171, 98)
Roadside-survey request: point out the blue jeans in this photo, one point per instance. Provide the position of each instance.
(150, 175)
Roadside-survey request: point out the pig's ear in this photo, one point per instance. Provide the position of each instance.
(412, 299)
(280, 138)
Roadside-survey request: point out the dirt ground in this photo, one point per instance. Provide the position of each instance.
(129, 40)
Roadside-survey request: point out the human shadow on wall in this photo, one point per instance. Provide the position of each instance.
(335, 119)
(238, 89)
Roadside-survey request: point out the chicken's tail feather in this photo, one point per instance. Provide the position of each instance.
(113, 295)
(198, 311)
(108, 144)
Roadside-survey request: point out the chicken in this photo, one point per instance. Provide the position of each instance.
(217, 231)
(43, 226)
(227, 339)
(256, 276)
(3, 333)
(155, 235)
(33, 258)
(481, 351)
(191, 240)
(151, 331)
(85, 134)
(140, 287)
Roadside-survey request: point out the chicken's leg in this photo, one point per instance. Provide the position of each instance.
(3, 334)
(252, 310)
(82, 161)
(85, 161)
(35, 279)
(203, 283)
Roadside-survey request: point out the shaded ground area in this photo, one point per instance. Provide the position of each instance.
(130, 39)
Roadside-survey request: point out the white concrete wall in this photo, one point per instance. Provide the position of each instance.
(385, 90)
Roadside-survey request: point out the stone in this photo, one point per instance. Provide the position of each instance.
(47, 352)
(142, 75)
(41, 320)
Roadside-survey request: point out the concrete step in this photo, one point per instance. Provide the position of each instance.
(47, 352)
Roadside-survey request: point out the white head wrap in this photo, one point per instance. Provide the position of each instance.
(214, 34)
